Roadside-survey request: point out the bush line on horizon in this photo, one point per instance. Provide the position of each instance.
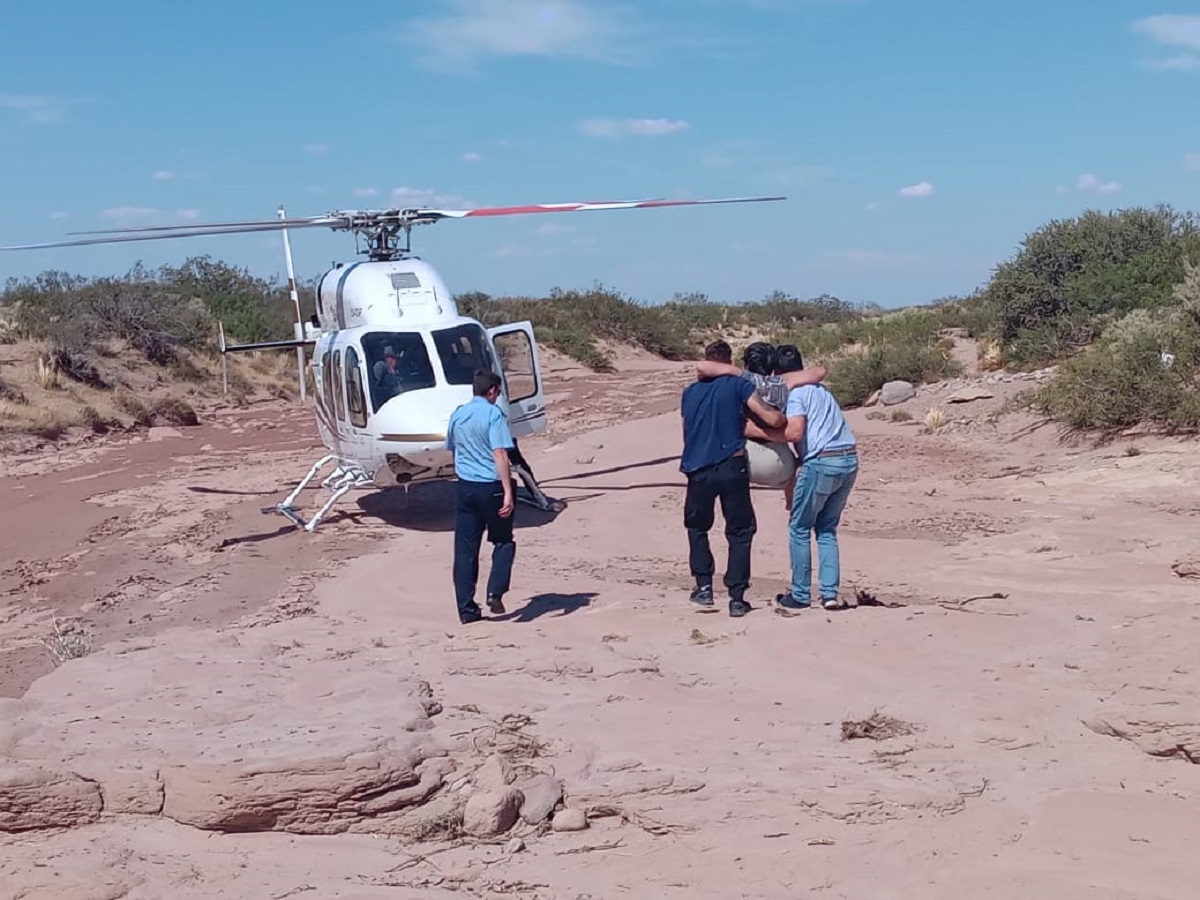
(1112, 299)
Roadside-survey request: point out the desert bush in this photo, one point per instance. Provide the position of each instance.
(1145, 367)
(1073, 277)
(132, 406)
(174, 411)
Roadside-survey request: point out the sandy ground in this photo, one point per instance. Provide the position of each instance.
(1026, 625)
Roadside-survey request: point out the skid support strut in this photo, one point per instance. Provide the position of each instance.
(343, 479)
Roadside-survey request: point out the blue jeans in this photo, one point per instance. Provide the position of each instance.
(822, 488)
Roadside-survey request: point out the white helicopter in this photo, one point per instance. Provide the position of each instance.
(392, 356)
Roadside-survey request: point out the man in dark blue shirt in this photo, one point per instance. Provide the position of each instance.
(714, 460)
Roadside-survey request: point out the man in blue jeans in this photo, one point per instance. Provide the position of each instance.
(828, 453)
(479, 436)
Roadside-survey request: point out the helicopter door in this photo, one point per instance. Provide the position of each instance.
(517, 352)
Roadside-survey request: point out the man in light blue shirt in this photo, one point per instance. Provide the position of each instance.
(828, 454)
(479, 436)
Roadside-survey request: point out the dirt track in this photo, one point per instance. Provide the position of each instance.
(1031, 632)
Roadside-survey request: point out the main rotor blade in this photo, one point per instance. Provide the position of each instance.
(282, 223)
(580, 207)
(198, 231)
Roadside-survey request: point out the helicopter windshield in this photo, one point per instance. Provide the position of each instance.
(463, 350)
(396, 362)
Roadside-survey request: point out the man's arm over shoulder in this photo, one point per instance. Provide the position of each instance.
(770, 416)
(811, 375)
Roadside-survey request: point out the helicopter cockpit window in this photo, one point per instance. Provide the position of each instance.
(463, 350)
(397, 362)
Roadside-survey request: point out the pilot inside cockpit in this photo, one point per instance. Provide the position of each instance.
(400, 365)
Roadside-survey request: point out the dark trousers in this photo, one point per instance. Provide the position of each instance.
(728, 481)
(478, 510)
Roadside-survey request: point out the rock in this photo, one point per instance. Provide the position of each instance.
(1178, 738)
(516, 845)
(314, 796)
(873, 400)
(570, 820)
(541, 793)
(1187, 566)
(32, 797)
(969, 395)
(495, 774)
(132, 793)
(896, 392)
(162, 432)
(490, 813)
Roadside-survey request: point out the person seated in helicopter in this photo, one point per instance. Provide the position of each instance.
(388, 382)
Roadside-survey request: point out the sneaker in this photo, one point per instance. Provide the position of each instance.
(787, 605)
(495, 606)
(831, 603)
(738, 608)
(702, 595)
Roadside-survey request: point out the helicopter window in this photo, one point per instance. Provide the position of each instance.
(356, 400)
(327, 381)
(397, 362)
(338, 402)
(516, 358)
(463, 350)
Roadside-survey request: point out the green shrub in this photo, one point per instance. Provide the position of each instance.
(1125, 380)
(1073, 277)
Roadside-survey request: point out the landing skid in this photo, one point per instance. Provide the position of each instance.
(344, 478)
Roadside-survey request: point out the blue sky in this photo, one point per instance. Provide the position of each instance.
(918, 141)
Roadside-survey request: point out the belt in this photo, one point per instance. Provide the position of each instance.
(843, 451)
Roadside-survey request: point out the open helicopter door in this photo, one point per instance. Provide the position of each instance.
(516, 349)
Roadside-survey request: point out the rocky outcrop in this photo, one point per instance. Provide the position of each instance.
(32, 797)
(1178, 738)
(1187, 566)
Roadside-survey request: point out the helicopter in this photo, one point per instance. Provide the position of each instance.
(392, 355)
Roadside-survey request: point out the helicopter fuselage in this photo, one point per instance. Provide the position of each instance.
(395, 358)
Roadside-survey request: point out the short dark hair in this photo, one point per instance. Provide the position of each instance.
(719, 351)
(484, 381)
(788, 359)
(759, 358)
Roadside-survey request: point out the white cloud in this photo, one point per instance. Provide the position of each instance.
(162, 175)
(38, 109)
(472, 29)
(365, 192)
(873, 206)
(923, 189)
(417, 198)
(1191, 162)
(189, 214)
(1173, 31)
(1089, 183)
(472, 156)
(57, 216)
(611, 128)
(316, 149)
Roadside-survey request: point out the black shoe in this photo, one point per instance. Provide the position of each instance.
(470, 617)
(702, 595)
(495, 606)
(738, 608)
(786, 605)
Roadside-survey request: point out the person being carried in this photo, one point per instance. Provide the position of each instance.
(773, 388)
(479, 436)
(714, 411)
(828, 452)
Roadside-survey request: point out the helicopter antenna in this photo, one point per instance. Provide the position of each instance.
(299, 329)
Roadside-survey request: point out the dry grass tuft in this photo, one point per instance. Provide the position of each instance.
(877, 727)
(900, 415)
(67, 643)
(935, 419)
(174, 411)
(49, 376)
